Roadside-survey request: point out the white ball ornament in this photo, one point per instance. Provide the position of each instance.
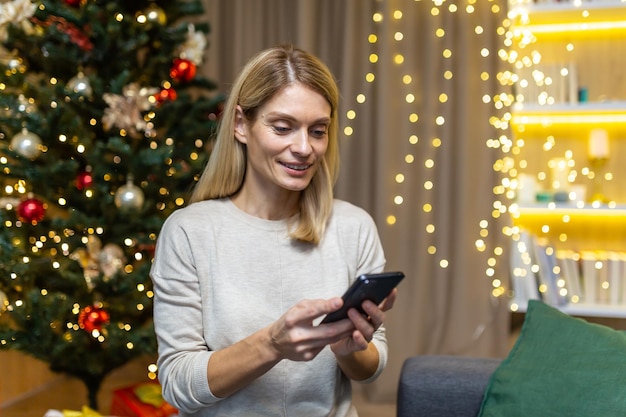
(27, 144)
(80, 85)
(129, 197)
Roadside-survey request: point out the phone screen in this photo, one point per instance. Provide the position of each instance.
(374, 287)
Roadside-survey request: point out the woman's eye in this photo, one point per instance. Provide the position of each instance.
(318, 133)
(281, 129)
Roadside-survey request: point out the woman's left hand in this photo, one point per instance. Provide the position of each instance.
(364, 327)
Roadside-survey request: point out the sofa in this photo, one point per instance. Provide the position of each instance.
(443, 386)
(559, 366)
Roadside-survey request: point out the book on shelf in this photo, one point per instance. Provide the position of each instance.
(568, 261)
(552, 83)
(589, 276)
(603, 287)
(565, 277)
(552, 284)
(615, 271)
(523, 278)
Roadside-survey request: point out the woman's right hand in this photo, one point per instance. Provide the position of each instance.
(294, 336)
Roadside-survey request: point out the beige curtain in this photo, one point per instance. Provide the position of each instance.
(414, 150)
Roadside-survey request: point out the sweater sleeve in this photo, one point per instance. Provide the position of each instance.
(372, 259)
(183, 353)
(362, 246)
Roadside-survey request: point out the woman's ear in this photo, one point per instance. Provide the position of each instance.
(240, 125)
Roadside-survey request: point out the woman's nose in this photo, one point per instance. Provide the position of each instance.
(302, 143)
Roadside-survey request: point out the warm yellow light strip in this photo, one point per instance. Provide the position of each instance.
(613, 113)
(586, 227)
(574, 27)
(563, 19)
(549, 119)
(586, 214)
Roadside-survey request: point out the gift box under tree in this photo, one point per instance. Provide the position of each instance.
(142, 400)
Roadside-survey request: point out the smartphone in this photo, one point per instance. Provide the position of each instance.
(374, 287)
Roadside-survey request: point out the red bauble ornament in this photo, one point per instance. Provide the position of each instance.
(93, 318)
(84, 180)
(166, 94)
(149, 248)
(183, 70)
(31, 210)
(74, 3)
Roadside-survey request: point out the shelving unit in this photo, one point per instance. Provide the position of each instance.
(568, 81)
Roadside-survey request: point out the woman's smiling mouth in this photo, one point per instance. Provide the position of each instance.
(297, 167)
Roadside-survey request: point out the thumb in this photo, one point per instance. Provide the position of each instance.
(334, 303)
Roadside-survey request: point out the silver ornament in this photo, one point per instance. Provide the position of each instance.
(80, 85)
(129, 197)
(27, 144)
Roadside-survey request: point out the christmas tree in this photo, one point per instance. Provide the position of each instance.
(104, 126)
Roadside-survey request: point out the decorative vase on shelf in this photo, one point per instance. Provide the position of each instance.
(598, 153)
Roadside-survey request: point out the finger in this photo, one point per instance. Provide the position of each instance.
(375, 313)
(360, 340)
(388, 302)
(309, 310)
(330, 305)
(362, 324)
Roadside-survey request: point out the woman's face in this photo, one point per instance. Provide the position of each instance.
(286, 142)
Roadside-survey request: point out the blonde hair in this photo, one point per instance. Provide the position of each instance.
(264, 76)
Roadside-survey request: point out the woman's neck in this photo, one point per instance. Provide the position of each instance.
(267, 206)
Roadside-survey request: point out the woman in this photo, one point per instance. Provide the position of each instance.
(244, 274)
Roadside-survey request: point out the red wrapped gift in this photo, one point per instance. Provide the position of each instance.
(142, 400)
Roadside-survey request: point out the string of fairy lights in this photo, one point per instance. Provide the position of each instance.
(412, 117)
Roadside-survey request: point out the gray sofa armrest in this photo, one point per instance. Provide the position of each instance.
(443, 386)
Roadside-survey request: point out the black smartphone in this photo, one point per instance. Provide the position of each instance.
(374, 287)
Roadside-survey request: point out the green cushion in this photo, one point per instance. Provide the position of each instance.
(560, 366)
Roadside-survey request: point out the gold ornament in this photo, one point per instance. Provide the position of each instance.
(125, 111)
(111, 259)
(151, 15)
(96, 260)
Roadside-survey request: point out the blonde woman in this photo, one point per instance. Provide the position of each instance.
(243, 275)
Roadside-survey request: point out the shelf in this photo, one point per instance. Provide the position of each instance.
(569, 217)
(589, 210)
(578, 228)
(568, 20)
(606, 114)
(587, 310)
